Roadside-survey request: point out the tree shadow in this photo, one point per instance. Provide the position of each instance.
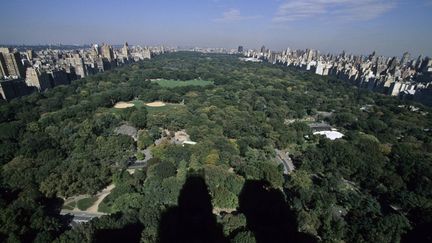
(421, 226)
(192, 220)
(268, 215)
(128, 233)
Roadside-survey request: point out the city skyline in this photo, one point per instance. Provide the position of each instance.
(388, 27)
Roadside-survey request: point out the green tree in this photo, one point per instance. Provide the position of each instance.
(144, 140)
(162, 170)
(138, 118)
(244, 237)
(232, 223)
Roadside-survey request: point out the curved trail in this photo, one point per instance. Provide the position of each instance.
(105, 192)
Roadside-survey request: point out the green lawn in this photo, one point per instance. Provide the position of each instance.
(85, 203)
(169, 83)
(138, 103)
(69, 206)
(104, 208)
(106, 205)
(164, 109)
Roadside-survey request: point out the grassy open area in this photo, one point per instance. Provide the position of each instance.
(105, 205)
(85, 203)
(164, 109)
(138, 103)
(153, 111)
(69, 206)
(169, 83)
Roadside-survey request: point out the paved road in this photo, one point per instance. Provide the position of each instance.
(285, 160)
(81, 217)
(137, 166)
(147, 154)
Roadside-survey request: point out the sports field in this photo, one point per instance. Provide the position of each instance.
(160, 109)
(123, 105)
(155, 107)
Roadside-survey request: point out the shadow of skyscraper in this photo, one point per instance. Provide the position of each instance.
(267, 214)
(192, 220)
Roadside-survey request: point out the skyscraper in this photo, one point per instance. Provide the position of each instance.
(419, 62)
(13, 88)
(95, 50)
(240, 49)
(309, 55)
(59, 77)
(125, 50)
(11, 64)
(77, 62)
(38, 79)
(395, 88)
(30, 54)
(107, 52)
(405, 58)
(2, 67)
(392, 64)
(426, 64)
(146, 53)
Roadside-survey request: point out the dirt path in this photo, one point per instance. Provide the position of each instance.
(105, 192)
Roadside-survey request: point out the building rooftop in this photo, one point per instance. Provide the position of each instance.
(332, 135)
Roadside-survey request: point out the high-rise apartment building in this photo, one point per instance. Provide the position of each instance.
(38, 79)
(30, 54)
(13, 88)
(79, 68)
(2, 68)
(59, 77)
(10, 63)
(405, 58)
(107, 52)
(125, 51)
(146, 54)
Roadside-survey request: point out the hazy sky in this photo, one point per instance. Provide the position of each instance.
(359, 26)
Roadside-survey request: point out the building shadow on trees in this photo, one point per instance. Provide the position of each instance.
(128, 233)
(268, 215)
(192, 220)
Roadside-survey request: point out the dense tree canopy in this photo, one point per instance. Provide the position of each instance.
(373, 185)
